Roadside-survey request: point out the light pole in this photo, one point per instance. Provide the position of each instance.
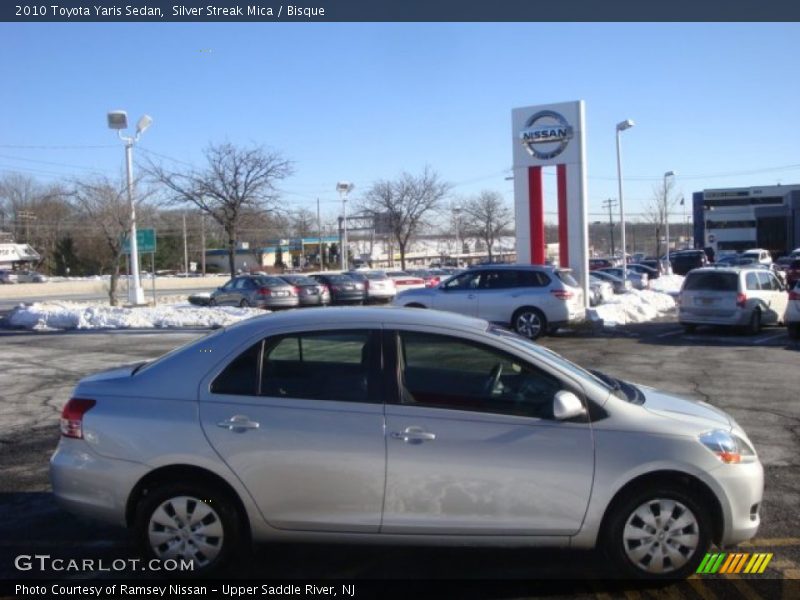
(344, 188)
(666, 217)
(622, 126)
(118, 119)
(457, 223)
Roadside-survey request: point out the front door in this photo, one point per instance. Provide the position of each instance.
(459, 294)
(299, 419)
(473, 447)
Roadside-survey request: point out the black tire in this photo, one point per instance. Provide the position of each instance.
(754, 327)
(794, 331)
(530, 322)
(212, 302)
(220, 514)
(244, 303)
(414, 305)
(695, 536)
(689, 327)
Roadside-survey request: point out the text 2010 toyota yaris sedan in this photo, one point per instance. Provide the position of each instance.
(401, 426)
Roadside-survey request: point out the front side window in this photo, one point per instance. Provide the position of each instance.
(451, 373)
(465, 281)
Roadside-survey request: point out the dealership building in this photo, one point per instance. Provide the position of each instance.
(736, 219)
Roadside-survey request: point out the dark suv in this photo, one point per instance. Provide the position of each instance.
(684, 261)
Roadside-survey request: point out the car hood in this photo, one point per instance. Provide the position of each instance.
(684, 409)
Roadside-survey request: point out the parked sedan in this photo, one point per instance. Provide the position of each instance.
(602, 291)
(8, 276)
(257, 291)
(431, 279)
(644, 269)
(343, 288)
(309, 291)
(640, 281)
(400, 426)
(405, 281)
(378, 286)
(620, 286)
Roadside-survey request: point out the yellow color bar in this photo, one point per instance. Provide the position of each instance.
(767, 558)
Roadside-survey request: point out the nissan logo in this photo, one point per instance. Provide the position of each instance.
(546, 134)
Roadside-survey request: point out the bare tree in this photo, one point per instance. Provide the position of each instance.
(303, 223)
(406, 201)
(235, 181)
(660, 205)
(105, 205)
(487, 216)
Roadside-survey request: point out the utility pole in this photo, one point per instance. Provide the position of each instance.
(203, 243)
(185, 248)
(610, 204)
(319, 232)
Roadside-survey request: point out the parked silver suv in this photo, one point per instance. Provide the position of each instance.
(738, 296)
(533, 300)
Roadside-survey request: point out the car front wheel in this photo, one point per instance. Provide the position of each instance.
(188, 522)
(529, 322)
(658, 532)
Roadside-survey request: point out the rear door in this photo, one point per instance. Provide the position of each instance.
(299, 419)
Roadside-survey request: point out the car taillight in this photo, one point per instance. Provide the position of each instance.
(72, 417)
(325, 289)
(366, 285)
(562, 294)
(794, 295)
(296, 291)
(741, 300)
(264, 292)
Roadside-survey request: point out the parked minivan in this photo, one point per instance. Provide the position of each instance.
(738, 296)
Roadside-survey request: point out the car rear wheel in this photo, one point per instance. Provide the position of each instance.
(244, 303)
(212, 302)
(529, 322)
(188, 522)
(658, 532)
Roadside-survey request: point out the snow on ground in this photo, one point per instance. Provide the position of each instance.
(636, 306)
(45, 316)
(669, 284)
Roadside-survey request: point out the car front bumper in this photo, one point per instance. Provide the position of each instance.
(741, 490)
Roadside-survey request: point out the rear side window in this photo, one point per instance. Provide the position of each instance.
(712, 282)
(240, 378)
(567, 278)
(751, 281)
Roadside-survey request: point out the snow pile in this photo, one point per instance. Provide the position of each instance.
(636, 306)
(669, 284)
(45, 316)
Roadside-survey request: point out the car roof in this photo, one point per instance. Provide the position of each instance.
(507, 266)
(726, 268)
(325, 317)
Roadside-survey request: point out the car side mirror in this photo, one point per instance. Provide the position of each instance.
(567, 405)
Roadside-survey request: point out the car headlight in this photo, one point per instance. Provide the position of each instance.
(728, 447)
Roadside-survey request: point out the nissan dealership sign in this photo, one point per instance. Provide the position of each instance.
(546, 134)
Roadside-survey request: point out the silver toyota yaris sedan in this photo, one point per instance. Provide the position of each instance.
(401, 426)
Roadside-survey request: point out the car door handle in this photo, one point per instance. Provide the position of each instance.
(239, 423)
(414, 435)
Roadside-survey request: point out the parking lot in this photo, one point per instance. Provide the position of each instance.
(755, 378)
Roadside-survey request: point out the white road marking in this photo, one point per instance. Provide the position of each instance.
(769, 337)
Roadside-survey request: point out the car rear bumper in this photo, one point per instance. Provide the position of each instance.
(286, 302)
(737, 318)
(88, 484)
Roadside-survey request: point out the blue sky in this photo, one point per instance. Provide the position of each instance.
(365, 101)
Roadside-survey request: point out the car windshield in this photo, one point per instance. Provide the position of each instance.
(340, 279)
(268, 281)
(712, 282)
(375, 276)
(532, 347)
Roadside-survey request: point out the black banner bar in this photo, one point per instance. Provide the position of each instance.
(230, 11)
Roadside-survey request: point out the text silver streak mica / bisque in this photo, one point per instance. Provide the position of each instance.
(392, 425)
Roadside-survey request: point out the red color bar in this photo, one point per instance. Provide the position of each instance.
(563, 217)
(536, 215)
